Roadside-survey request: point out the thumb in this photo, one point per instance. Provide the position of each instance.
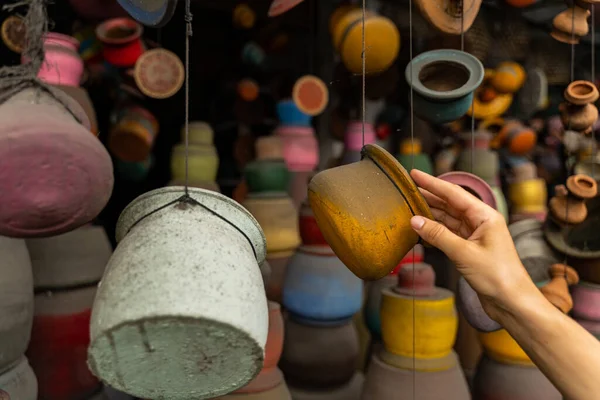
(438, 235)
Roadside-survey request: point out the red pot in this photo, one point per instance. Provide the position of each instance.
(309, 230)
(122, 40)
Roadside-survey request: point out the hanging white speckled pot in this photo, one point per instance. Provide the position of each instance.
(181, 311)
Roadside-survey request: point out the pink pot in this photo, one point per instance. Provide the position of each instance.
(55, 175)
(472, 184)
(353, 138)
(300, 147)
(586, 301)
(62, 64)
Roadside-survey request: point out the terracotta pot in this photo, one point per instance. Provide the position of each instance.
(382, 40)
(81, 96)
(62, 64)
(586, 300)
(16, 301)
(71, 259)
(132, 137)
(411, 157)
(578, 118)
(444, 82)
(501, 347)
(533, 250)
(317, 356)
(319, 287)
(19, 382)
(528, 196)
(570, 25)
(508, 77)
(121, 41)
(382, 382)
(451, 18)
(267, 176)
(557, 291)
(428, 333)
(298, 189)
(270, 376)
(278, 219)
(378, 216)
(300, 147)
(155, 14)
(279, 392)
(498, 381)
(568, 206)
(133, 315)
(53, 144)
(348, 391)
(309, 230)
(274, 286)
(59, 341)
(353, 141)
(581, 93)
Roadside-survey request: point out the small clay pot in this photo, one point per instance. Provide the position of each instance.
(569, 28)
(568, 205)
(62, 64)
(557, 291)
(578, 118)
(472, 184)
(121, 41)
(444, 82)
(581, 93)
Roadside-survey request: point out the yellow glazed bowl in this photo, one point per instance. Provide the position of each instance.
(501, 347)
(491, 109)
(203, 163)
(528, 196)
(364, 209)
(435, 324)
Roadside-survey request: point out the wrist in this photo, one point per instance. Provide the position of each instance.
(520, 301)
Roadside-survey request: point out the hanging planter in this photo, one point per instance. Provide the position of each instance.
(472, 184)
(444, 82)
(568, 206)
(53, 144)
(155, 296)
(309, 230)
(159, 73)
(369, 231)
(121, 41)
(150, 13)
(453, 17)
(62, 64)
(571, 25)
(132, 137)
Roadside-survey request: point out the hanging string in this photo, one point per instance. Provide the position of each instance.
(311, 35)
(364, 71)
(594, 144)
(188, 35)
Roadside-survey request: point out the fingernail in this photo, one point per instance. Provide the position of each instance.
(417, 222)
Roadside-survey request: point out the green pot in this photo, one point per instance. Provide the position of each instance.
(267, 176)
(422, 162)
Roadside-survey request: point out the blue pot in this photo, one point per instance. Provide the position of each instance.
(443, 82)
(319, 287)
(144, 12)
(289, 114)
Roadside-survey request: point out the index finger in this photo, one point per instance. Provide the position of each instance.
(454, 195)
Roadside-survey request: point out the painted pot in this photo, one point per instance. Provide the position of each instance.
(16, 301)
(278, 219)
(71, 259)
(411, 155)
(319, 287)
(570, 25)
(382, 40)
(132, 137)
(444, 82)
(267, 176)
(62, 64)
(135, 311)
(508, 77)
(348, 391)
(309, 230)
(155, 14)
(498, 381)
(290, 115)
(529, 196)
(121, 41)
(369, 231)
(59, 341)
(270, 376)
(53, 144)
(274, 286)
(319, 356)
(586, 300)
(81, 96)
(353, 141)
(433, 311)
(382, 382)
(279, 392)
(568, 206)
(502, 348)
(19, 382)
(300, 147)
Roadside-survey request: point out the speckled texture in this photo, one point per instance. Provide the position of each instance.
(181, 311)
(19, 382)
(16, 300)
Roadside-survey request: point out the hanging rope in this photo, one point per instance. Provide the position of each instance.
(364, 72)
(188, 35)
(594, 144)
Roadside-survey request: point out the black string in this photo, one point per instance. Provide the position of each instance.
(188, 35)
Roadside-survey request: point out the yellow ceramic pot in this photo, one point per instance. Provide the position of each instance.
(200, 133)
(501, 347)
(203, 160)
(434, 324)
(364, 209)
(509, 77)
(278, 218)
(528, 196)
(382, 40)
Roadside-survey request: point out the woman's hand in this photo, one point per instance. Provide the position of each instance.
(476, 239)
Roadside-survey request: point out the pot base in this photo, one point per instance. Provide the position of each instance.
(223, 360)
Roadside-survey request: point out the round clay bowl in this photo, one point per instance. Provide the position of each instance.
(581, 93)
(64, 173)
(348, 391)
(497, 381)
(369, 229)
(19, 382)
(156, 333)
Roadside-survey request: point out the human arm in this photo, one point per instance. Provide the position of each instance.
(476, 238)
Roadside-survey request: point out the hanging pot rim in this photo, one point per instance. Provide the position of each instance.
(124, 22)
(153, 18)
(466, 60)
(144, 204)
(474, 183)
